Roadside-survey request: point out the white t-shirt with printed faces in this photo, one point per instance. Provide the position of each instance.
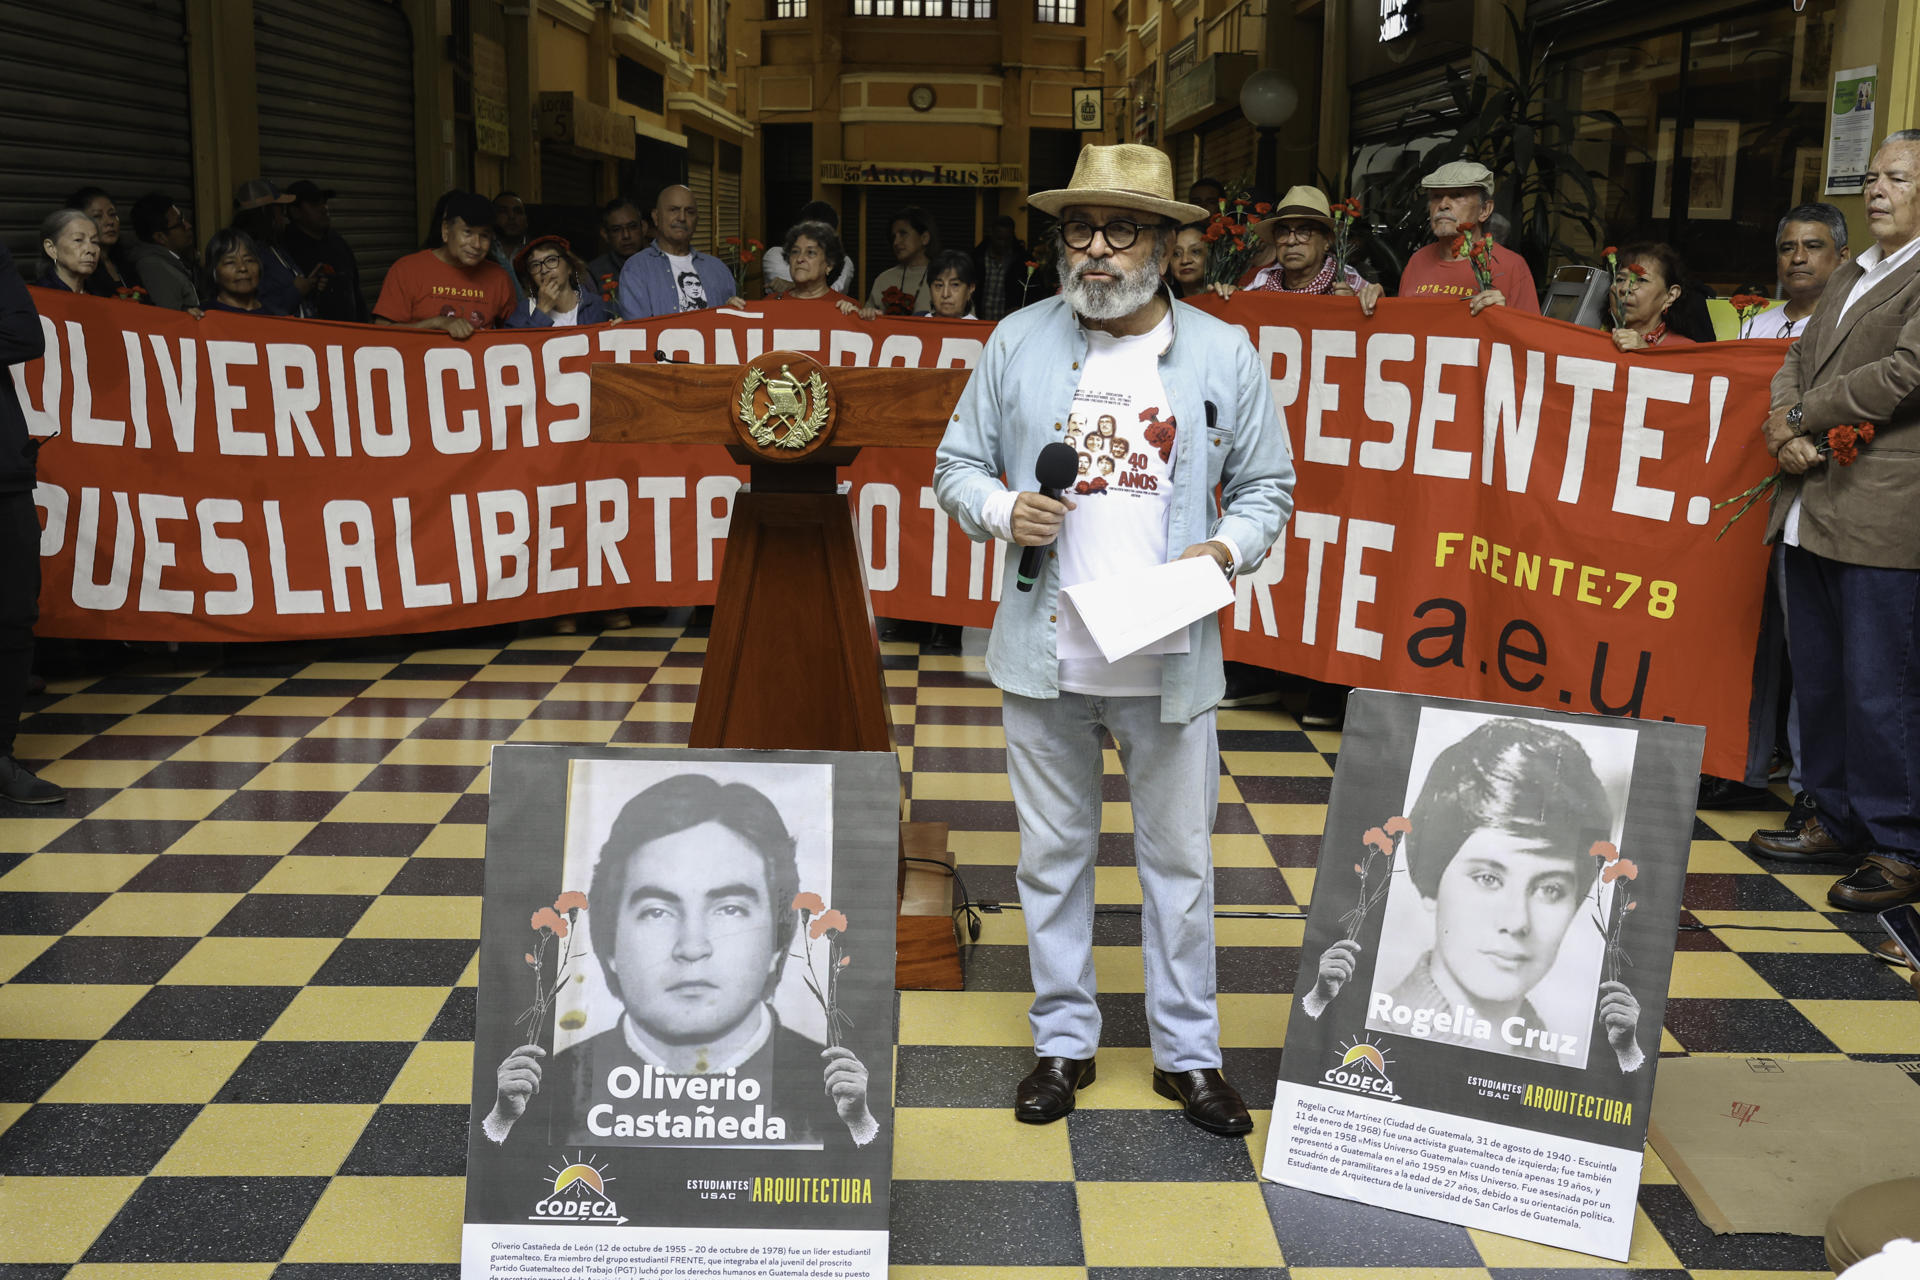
(1123, 430)
(686, 281)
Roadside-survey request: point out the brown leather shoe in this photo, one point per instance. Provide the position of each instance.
(1889, 952)
(1812, 842)
(1876, 884)
(1210, 1101)
(1047, 1092)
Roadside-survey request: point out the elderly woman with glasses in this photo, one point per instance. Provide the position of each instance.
(558, 288)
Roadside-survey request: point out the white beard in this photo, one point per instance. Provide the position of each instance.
(1110, 300)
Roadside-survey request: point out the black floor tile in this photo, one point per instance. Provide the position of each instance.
(395, 962)
(34, 1270)
(1743, 1026)
(28, 1068)
(1151, 1146)
(92, 1140)
(1186, 1273)
(200, 873)
(985, 1224)
(96, 835)
(340, 750)
(441, 671)
(456, 1016)
(1260, 789)
(107, 961)
(1264, 740)
(937, 1075)
(471, 808)
(1123, 1019)
(1257, 886)
(365, 1271)
(1256, 970)
(276, 806)
(208, 1220)
(200, 775)
(45, 914)
(1695, 1245)
(998, 968)
(244, 726)
(292, 915)
(362, 839)
(294, 1071)
(412, 1141)
(1729, 892)
(203, 1013)
(420, 777)
(1822, 976)
(1116, 926)
(438, 876)
(1324, 1231)
(309, 687)
(1254, 1072)
(1294, 851)
(463, 728)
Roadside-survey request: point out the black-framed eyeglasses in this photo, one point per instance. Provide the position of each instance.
(541, 264)
(1119, 234)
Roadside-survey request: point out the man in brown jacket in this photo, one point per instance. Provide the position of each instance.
(1853, 551)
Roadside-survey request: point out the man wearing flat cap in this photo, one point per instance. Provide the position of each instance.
(1113, 344)
(1460, 199)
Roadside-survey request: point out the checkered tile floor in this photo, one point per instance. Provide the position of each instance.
(238, 967)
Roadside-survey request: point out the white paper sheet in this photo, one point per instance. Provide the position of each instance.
(1127, 612)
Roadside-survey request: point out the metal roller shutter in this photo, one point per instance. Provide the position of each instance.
(1227, 152)
(91, 92)
(335, 85)
(568, 177)
(726, 206)
(955, 212)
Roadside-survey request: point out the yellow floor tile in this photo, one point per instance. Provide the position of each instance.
(1812, 889)
(392, 806)
(959, 735)
(74, 872)
(1116, 886)
(598, 691)
(358, 1013)
(1260, 933)
(1299, 882)
(18, 950)
(242, 839)
(620, 657)
(482, 783)
(964, 1017)
(439, 751)
(25, 835)
(1118, 970)
(379, 727)
(1647, 1252)
(977, 1143)
(1722, 974)
(1253, 1021)
(425, 916)
(1124, 1083)
(10, 1112)
(959, 696)
(454, 840)
(234, 748)
(63, 1012)
(1654, 1171)
(1176, 1224)
(988, 848)
(961, 786)
(103, 704)
(156, 915)
(384, 1220)
(469, 976)
(1717, 857)
(1002, 929)
(283, 705)
(1866, 1026)
(150, 1071)
(1270, 717)
(236, 1139)
(303, 874)
(346, 670)
(56, 1219)
(437, 1071)
(676, 675)
(680, 713)
(160, 804)
(1116, 816)
(486, 709)
(253, 962)
(47, 746)
(1289, 819)
(1811, 934)
(105, 775)
(1241, 851)
(401, 688)
(303, 776)
(596, 732)
(514, 673)
(1388, 1273)
(164, 726)
(231, 686)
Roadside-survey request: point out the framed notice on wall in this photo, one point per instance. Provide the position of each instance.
(1089, 110)
(684, 1024)
(1850, 129)
(1477, 1019)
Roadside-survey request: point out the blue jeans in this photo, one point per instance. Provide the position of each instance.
(1856, 667)
(1173, 774)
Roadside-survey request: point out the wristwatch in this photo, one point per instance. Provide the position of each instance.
(1793, 418)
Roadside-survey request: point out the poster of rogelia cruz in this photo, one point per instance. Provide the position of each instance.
(1477, 1019)
(682, 1050)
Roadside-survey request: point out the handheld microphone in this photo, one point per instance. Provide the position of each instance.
(1057, 466)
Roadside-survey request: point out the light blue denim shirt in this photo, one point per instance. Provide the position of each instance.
(1017, 401)
(647, 286)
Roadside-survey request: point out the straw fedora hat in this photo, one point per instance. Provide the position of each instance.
(1123, 176)
(1301, 204)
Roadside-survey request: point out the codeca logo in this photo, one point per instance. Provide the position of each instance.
(1363, 1069)
(579, 1195)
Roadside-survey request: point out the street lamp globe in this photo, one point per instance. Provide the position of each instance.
(1268, 99)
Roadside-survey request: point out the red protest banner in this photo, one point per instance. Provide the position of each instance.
(1498, 507)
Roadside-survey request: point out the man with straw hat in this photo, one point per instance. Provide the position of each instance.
(1192, 397)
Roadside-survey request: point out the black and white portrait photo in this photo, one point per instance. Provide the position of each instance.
(1504, 894)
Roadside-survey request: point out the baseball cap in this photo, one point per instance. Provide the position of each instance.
(258, 192)
(304, 190)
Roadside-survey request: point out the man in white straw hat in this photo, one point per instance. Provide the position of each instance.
(1187, 389)
(1460, 200)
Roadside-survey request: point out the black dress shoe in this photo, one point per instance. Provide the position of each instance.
(1725, 793)
(1211, 1102)
(1876, 884)
(22, 786)
(1803, 808)
(1811, 843)
(1047, 1092)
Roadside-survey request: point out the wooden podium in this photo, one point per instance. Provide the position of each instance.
(793, 659)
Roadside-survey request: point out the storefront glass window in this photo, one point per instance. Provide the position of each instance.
(1731, 110)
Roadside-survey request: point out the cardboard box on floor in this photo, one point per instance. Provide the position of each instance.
(1770, 1145)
